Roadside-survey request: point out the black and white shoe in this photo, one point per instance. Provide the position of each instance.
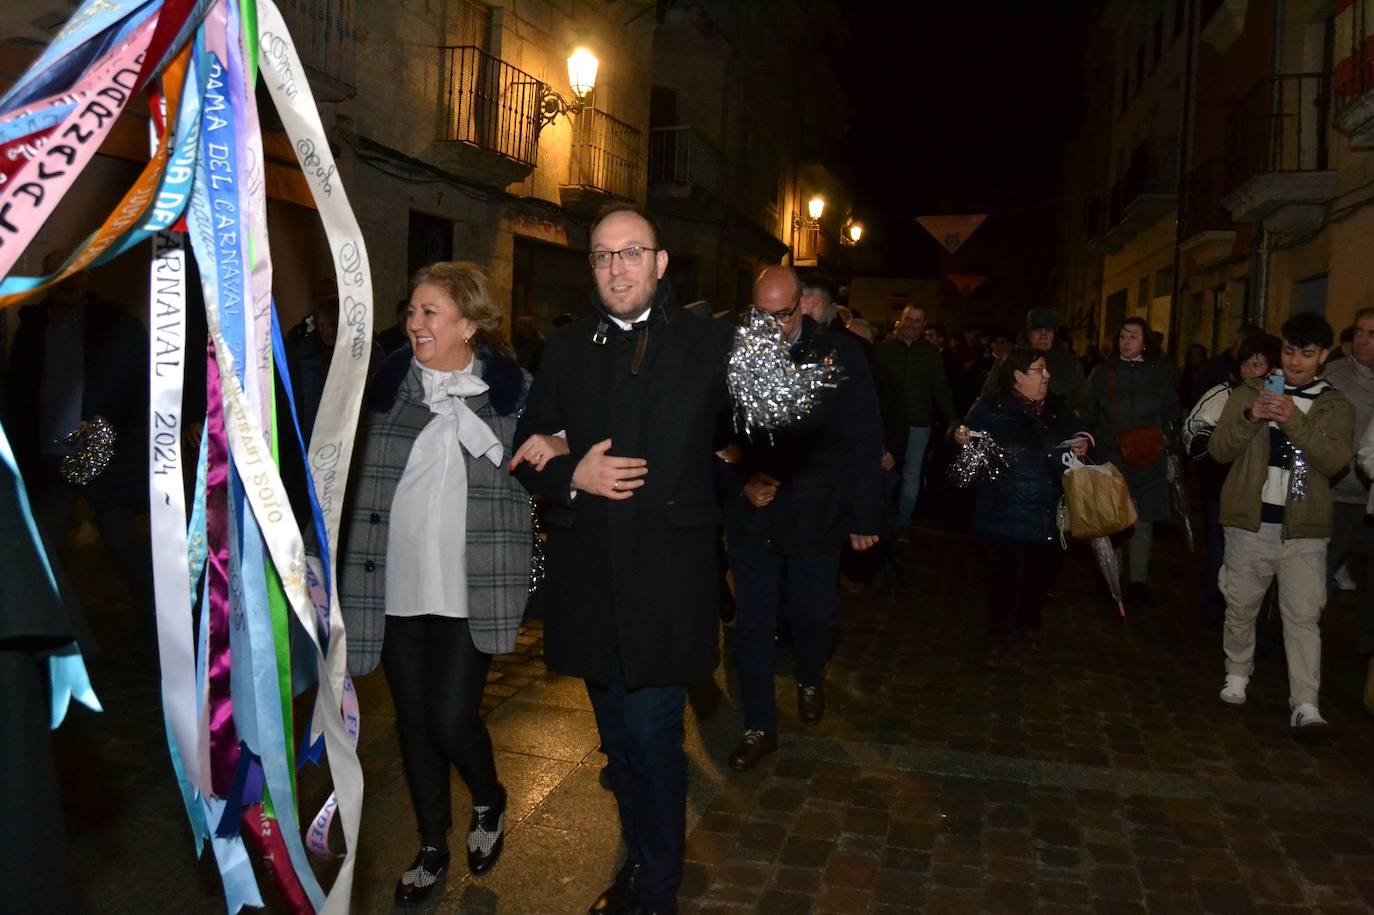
(426, 872)
(486, 836)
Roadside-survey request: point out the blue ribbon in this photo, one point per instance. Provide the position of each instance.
(236, 871)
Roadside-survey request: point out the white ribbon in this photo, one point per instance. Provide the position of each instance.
(331, 443)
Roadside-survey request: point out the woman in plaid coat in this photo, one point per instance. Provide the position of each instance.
(435, 563)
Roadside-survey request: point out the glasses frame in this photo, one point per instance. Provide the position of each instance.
(780, 316)
(612, 255)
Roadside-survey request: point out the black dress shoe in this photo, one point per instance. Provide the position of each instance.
(619, 898)
(752, 749)
(426, 872)
(811, 703)
(486, 836)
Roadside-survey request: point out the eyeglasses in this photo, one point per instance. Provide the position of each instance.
(1043, 370)
(780, 316)
(632, 256)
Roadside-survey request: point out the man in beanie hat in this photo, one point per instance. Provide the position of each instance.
(1066, 375)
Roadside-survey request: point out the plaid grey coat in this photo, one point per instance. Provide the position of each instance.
(499, 528)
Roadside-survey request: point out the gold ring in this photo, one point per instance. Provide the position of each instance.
(615, 485)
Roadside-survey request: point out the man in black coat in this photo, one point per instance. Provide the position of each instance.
(632, 594)
(802, 495)
(76, 357)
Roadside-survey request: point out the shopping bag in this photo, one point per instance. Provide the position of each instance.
(1100, 503)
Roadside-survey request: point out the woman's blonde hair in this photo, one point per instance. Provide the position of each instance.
(466, 284)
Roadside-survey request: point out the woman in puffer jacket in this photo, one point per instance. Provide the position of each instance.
(1014, 515)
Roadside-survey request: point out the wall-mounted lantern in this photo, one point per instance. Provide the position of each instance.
(582, 67)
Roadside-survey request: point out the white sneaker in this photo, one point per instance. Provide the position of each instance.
(1343, 580)
(1234, 690)
(1306, 722)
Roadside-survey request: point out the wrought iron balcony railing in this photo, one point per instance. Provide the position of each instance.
(1203, 212)
(1280, 125)
(606, 155)
(491, 104)
(324, 34)
(679, 156)
(1153, 170)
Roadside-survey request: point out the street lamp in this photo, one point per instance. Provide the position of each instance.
(852, 232)
(582, 67)
(814, 208)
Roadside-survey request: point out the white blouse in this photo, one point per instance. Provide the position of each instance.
(426, 550)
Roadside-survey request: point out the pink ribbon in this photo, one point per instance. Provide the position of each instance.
(224, 741)
(31, 192)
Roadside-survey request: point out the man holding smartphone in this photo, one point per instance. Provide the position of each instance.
(1287, 441)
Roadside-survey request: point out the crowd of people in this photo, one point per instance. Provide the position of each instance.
(617, 427)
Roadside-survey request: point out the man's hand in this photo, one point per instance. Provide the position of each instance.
(730, 454)
(760, 490)
(538, 450)
(888, 462)
(609, 477)
(861, 542)
(1282, 407)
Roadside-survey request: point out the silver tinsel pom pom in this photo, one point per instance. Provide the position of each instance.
(94, 443)
(1297, 477)
(981, 459)
(770, 390)
(537, 567)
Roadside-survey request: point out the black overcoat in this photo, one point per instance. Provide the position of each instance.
(829, 465)
(637, 579)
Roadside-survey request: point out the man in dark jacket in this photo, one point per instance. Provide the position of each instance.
(920, 372)
(802, 495)
(632, 596)
(1067, 381)
(76, 357)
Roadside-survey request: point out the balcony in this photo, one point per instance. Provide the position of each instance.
(1278, 134)
(1354, 74)
(1208, 234)
(491, 128)
(606, 163)
(1146, 193)
(682, 164)
(1095, 220)
(814, 247)
(327, 43)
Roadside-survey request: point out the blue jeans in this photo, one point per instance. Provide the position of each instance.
(642, 735)
(813, 611)
(917, 440)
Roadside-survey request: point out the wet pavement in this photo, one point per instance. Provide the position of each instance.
(1099, 773)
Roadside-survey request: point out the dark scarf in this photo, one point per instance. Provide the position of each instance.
(1035, 408)
(661, 311)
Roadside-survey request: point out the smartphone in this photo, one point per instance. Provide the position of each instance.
(1274, 384)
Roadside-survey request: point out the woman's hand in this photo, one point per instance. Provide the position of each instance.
(538, 450)
(962, 436)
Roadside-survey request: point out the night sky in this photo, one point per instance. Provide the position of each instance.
(965, 107)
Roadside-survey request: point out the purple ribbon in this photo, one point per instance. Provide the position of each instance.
(224, 742)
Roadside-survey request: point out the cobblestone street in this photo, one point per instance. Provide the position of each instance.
(1098, 773)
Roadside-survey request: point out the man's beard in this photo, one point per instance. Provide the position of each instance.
(633, 310)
